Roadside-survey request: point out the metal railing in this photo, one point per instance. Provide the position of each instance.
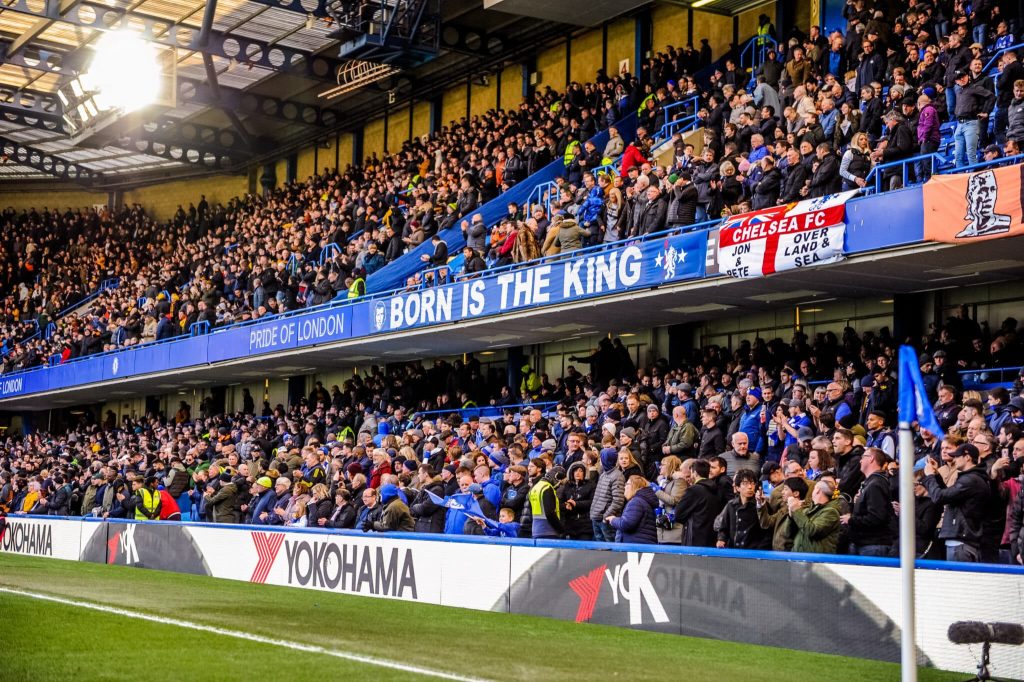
(754, 54)
(988, 377)
(598, 248)
(906, 167)
(437, 276)
(490, 410)
(991, 62)
(684, 123)
(199, 328)
(909, 170)
(543, 194)
(328, 252)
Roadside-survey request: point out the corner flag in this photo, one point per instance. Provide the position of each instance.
(914, 405)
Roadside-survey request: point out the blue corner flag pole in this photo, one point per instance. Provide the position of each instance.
(913, 407)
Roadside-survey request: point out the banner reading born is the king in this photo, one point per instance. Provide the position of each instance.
(967, 207)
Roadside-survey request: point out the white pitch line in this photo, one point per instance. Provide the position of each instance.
(297, 646)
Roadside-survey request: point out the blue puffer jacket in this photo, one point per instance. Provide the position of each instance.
(636, 524)
(750, 424)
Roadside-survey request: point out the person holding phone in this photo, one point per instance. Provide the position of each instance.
(965, 503)
(740, 527)
(776, 518)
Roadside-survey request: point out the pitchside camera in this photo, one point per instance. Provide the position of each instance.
(986, 634)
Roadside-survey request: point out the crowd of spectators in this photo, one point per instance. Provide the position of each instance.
(815, 117)
(263, 255)
(769, 445)
(53, 260)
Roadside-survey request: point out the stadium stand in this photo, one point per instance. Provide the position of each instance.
(768, 445)
(794, 128)
(764, 445)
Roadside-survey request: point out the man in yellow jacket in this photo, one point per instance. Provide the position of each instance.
(146, 499)
(530, 386)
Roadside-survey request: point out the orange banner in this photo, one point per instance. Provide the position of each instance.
(968, 207)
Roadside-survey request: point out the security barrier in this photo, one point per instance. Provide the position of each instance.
(837, 605)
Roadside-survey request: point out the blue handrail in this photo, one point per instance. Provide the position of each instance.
(758, 54)
(329, 251)
(691, 101)
(682, 125)
(878, 172)
(937, 164)
(490, 410)
(432, 277)
(1000, 53)
(673, 125)
(988, 377)
(543, 193)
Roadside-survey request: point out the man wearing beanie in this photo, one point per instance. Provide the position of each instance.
(515, 490)
(609, 497)
(263, 499)
(395, 517)
(753, 422)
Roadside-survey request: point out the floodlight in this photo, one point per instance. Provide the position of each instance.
(124, 74)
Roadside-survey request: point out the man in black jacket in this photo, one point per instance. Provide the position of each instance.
(872, 520)
(394, 244)
(515, 490)
(897, 146)
(965, 503)
(959, 59)
(766, 191)
(474, 263)
(871, 68)
(825, 179)
(428, 514)
(683, 206)
(1011, 72)
(515, 167)
(699, 507)
(440, 255)
(974, 103)
(740, 527)
(654, 215)
(795, 179)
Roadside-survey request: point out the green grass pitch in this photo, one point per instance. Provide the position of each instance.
(43, 640)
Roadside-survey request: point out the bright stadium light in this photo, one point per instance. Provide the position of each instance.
(124, 74)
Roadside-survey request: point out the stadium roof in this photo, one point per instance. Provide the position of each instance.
(247, 89)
